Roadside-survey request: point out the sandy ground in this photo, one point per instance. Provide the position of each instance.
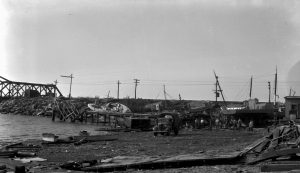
(145, 144)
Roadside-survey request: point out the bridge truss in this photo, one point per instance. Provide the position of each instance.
(17, 89)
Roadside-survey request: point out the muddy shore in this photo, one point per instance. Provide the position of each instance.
(145, 144)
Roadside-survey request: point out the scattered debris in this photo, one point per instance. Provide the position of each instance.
(280, 167)
(281, 147)
(71, 165)
(118, 130)
(25, 154)
(275, 154)
(32, 159)
(144, 162)
(78, 140)
(38, 106)
(2, 167)
(84, 133)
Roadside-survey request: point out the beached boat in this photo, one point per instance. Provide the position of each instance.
(82, 139)
(49, 137)
(109, 108)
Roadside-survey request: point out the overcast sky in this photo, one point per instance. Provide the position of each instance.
(173, 42)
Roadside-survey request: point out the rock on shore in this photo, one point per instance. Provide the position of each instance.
(27, 106)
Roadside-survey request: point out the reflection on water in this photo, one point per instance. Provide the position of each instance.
(14, 128)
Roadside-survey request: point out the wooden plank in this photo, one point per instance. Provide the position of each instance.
(275, 154)
(286, 162)
(279, 167)
(252, 146)
(123, 163)
(262, 146)
(95, 138)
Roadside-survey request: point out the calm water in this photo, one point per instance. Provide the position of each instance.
(15, 128)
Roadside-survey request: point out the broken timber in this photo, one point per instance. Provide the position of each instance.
(280, 167)
(122, 163)
(273, 154)
(253, 146)
(66, 110)
(17, 89)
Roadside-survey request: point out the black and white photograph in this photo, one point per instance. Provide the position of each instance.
(149, 86)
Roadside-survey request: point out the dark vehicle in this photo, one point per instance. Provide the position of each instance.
(166, 123)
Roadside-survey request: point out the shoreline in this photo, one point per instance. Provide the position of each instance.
(145, 144)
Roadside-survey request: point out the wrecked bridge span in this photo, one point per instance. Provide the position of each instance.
(10, 88)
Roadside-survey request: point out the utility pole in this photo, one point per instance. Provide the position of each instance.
(71, 77)
(275, 92)
(216, 91)
(136, 81)
(269, 85)
(55, 83)
(108, 94)
(165, 93)
(290, 92)
(251, 87)
(220, 89)
(118, 89)
(179, 96)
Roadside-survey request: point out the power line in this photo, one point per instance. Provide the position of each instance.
(239, 93)
(158, 95)
(71, 77)
(226, 84)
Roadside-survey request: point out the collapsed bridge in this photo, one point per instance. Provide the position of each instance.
(10, 88)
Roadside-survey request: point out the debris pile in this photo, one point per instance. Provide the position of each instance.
(38, 106)
(13, 156)
(278, 149)
(27, 106)
(122, 163)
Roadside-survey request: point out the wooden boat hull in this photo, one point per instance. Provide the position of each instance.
(73, 139)
(49, 137)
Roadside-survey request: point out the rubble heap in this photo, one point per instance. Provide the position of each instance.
(27, 106)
